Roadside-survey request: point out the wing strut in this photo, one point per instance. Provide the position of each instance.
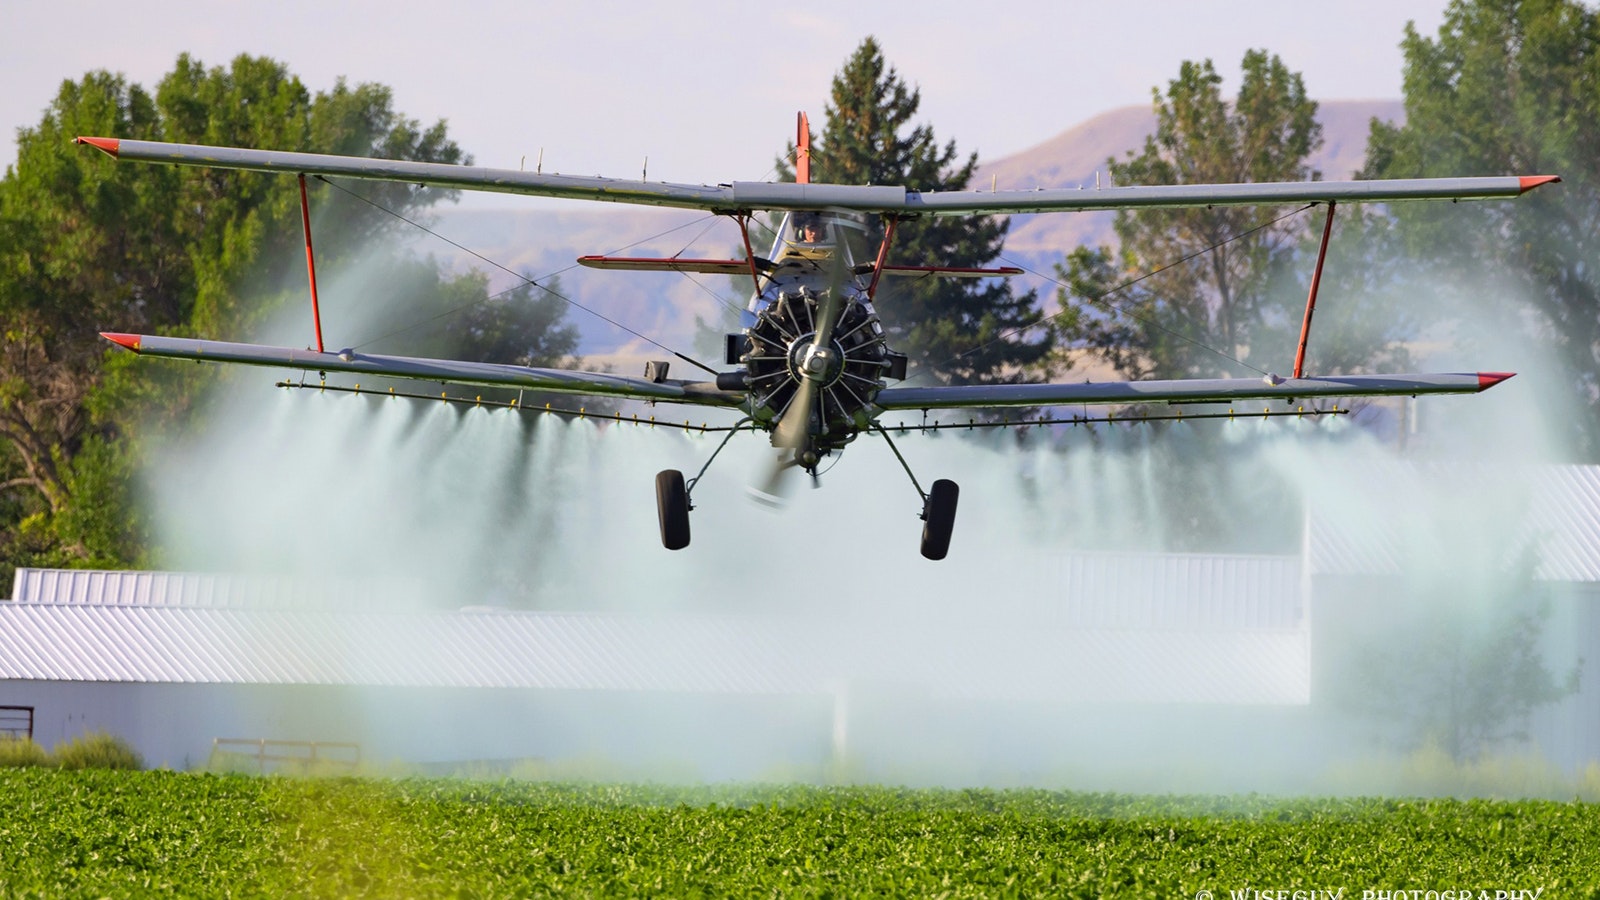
(883, 254)
(311, 265)
(749, 254)
(1311, 299)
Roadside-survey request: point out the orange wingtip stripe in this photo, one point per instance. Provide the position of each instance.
(131, 341)
(1529, 182)
(109, 145)
(1488, 380)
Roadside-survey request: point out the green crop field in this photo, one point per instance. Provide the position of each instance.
(100, 833)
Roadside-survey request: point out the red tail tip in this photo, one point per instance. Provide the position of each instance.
(1488, 380)
(802, 150)
(131, 341)
(110, 145)
(1529, 182)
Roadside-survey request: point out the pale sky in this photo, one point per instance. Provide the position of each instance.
(707, 90)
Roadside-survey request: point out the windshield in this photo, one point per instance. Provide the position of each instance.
(814, 234)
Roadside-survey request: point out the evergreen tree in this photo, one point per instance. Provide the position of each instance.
(957, 330)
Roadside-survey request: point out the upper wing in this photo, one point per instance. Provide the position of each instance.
(1200, 390)
(447, 371)
(746, 195)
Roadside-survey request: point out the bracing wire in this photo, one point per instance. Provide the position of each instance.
(729, 304)
(523, 279)
(1101, 300)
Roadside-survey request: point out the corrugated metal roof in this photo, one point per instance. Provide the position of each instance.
(1376, 515)
(1085, 590)
(695, 654)
(1118, 627)
(1565, 519)
(484, 649)
(1175, 590)
(94, 587)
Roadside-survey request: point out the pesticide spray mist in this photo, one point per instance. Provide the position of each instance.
(999, 665)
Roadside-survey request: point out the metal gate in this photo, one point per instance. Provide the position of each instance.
(16, 722)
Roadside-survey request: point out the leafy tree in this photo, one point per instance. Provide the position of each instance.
(1225, 295)
(525, 325)
(66, 230)
(442, 315)
(1510, 88)
(88, 245)
(962, 331)
(1471, 669)
(1222, 283)
(245, 229)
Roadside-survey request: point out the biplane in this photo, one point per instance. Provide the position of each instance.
(812, 367)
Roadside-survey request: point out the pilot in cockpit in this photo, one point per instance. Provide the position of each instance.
(809, 229)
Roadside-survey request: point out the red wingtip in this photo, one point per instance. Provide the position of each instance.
(1488, 380)
(110, 145)
(1529, 182)
(131, 341)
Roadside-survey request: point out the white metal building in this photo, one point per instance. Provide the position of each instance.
(1482, 540)
(1133, 658)
(174, 661)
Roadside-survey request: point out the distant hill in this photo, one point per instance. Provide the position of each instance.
(665, 306)
(1071, 159)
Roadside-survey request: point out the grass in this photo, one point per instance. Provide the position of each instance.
(22, 753)
(1429, 771)
(94, 750)
(97, 750)
(116, 833)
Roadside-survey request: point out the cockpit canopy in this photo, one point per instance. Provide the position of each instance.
(819, 235)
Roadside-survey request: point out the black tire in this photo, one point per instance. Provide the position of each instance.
(939, 518)
(672, 507)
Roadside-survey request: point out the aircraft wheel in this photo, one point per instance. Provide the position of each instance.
(939, 518)
(672, 507)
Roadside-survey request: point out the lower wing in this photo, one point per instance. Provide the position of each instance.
(707, 393)
(444, 371)
(1198, 390)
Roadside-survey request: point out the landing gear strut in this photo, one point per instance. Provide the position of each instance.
(938, 506)
(672, 496)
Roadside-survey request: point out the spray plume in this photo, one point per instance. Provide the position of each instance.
(501, 508)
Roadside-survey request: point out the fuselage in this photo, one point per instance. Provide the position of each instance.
(814, 256)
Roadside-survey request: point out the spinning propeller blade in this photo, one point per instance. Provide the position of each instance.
(771, 488)
(793, 433)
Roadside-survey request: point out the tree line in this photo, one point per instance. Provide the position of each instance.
(85, 246)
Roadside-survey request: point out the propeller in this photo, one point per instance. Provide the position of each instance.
(792, 436)
(815, 360)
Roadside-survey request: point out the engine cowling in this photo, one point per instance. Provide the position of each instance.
(778, 353)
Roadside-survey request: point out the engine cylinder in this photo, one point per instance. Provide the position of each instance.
(778, 355)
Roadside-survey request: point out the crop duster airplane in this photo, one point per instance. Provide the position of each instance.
(812, 367)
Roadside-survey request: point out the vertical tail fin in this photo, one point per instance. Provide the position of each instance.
(802, 151)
